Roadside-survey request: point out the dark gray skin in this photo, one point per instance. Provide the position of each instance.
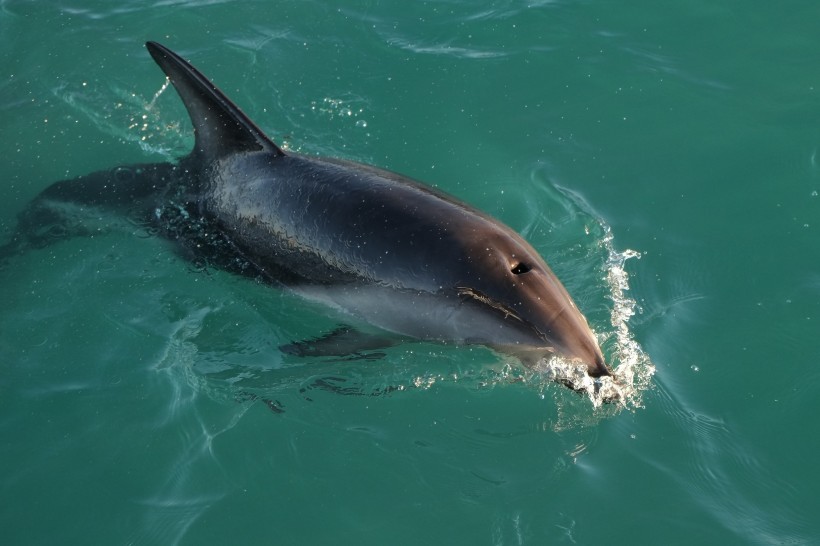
(388, 250)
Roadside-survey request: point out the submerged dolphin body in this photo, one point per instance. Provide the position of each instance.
(386, 249)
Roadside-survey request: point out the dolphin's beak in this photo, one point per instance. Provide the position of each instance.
(599, 367)
(546, 304)
(579, 342)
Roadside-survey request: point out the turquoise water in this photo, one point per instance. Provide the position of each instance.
(143, 401)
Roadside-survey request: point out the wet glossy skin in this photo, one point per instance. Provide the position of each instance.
(458, 274)
(358, 237)
(386, 249)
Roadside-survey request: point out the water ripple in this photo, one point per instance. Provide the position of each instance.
(723, 474)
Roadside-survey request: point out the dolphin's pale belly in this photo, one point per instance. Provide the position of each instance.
(418, 314)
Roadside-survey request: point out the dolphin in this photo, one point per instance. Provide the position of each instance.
(385, 250)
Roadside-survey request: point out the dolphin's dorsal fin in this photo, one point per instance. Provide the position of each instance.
(220, 127)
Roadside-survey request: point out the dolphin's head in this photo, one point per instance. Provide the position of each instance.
(508, 277)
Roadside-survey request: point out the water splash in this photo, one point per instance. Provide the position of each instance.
(633, 370)
(129, 117)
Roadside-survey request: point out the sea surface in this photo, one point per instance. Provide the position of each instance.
(662, 157)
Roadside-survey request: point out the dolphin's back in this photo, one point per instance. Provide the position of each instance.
(313, 219)
(333, 221)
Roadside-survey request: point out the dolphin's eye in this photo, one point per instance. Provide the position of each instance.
(520, 268)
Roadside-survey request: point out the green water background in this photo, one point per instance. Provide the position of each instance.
(132, 386)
